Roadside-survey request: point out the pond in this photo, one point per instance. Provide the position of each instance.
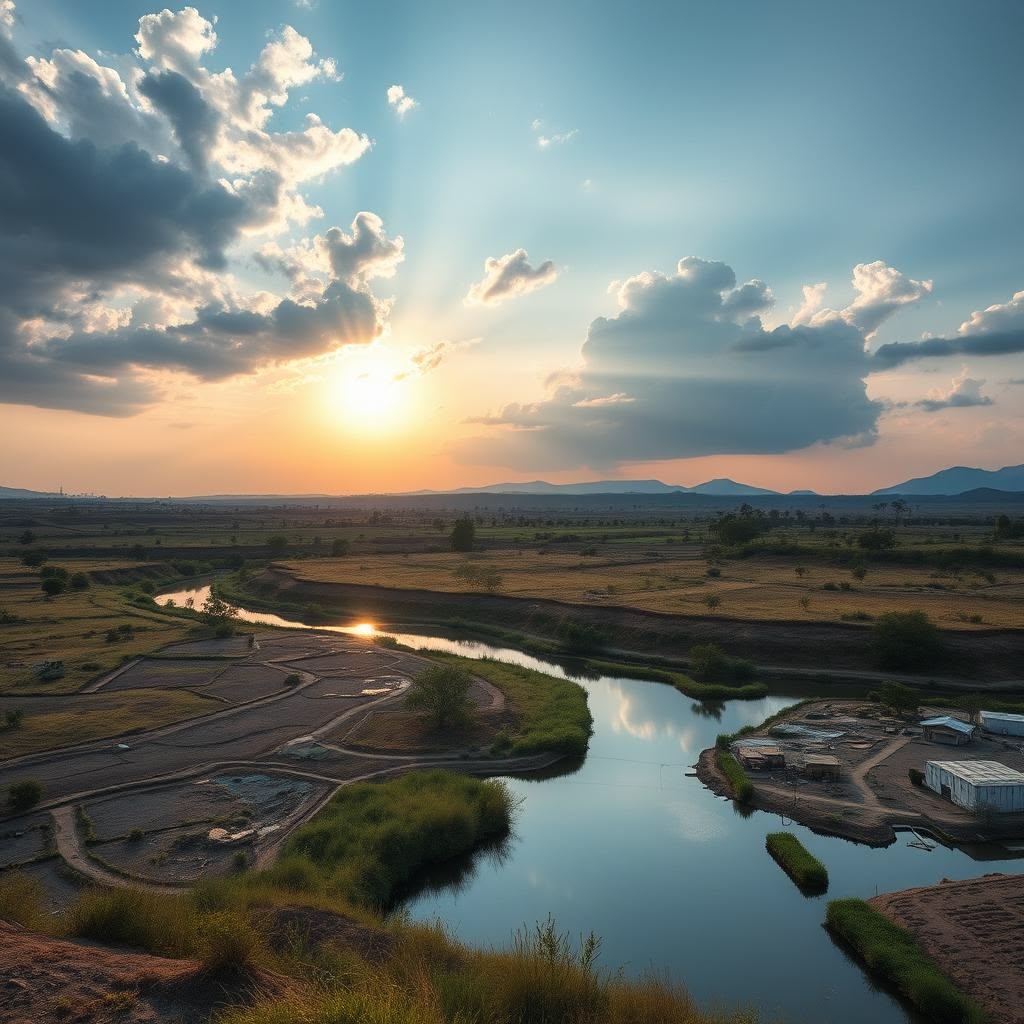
(632, 847)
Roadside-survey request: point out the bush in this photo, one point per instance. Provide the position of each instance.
(907, 640)
(276, 545)
(899, 697)
(164, 924)
(228, 942)
(13, 718)
(33, 559)
(53, 586)
(892, 954)
(339, 548)
(578, 638)
(806, 870)
(463, 534)
(742, 787)
(24, 795)
(709, 661)
(79, 581)
(292, 679)
(916, 776)
(877, 540)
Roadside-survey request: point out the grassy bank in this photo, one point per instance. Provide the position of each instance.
(683, 683)
(552, 713)
(372, 838)
(742, 788)
(892, 954)
(806, 870)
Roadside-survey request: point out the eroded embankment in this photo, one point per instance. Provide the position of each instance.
(990, 655)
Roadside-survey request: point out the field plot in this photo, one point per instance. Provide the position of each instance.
(681, 580)
(974, 931)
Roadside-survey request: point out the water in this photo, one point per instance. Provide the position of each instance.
(671, 877)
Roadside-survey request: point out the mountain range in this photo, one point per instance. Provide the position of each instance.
(953, 481)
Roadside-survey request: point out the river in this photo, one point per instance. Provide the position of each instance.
(672, 878)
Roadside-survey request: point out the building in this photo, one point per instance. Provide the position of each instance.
(947, 729)
(977, 785)
(1002, 723)
(821, 766)
(761, 758)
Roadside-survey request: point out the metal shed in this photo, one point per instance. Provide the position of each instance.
(947, 729)
(977, 785)
(1003, 723)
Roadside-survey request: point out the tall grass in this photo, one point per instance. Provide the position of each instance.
(792, 856)
(893, 954)
(23, 900)
(371, 839)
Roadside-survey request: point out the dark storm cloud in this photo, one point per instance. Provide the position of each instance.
(685, 369)
(193, 120)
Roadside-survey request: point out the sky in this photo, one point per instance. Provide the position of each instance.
(338, 247)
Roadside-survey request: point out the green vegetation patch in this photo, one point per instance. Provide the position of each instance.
(682, 682)
(893, 954)
(742, 788)
(792, 856)
(372, 838)
(553, 713)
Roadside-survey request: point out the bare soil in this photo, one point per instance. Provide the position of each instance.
(974, 931)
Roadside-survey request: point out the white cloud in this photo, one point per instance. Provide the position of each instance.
(881, 291)
(814, 299)
(546, 139)
(963, 392)
(399, 102)
(509, 276)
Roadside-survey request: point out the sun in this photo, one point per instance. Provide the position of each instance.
(369, 394)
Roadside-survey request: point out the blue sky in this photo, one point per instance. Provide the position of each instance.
(792, 141)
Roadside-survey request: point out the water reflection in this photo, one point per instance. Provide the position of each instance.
(624, 843)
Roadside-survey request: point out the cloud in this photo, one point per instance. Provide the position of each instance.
(545, 139)
(881, 290)
(399, 102)
(964, 392)
(687, 369)
(509, 276)
(995, 331)
(128, 185)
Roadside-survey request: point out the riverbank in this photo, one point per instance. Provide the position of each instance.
(983, 658)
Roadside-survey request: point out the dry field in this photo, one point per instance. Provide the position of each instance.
(678, 583)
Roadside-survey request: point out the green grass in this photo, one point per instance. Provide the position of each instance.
(891, 953)
(806, 870)
(742, 787)
(683, 683)
(372, 838)
(552, 713)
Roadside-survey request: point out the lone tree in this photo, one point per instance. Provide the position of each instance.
(902, 699)
(276, 545)
(442, 693)
(339, 547)
(53, 585)
(21, 796)
(463, 534)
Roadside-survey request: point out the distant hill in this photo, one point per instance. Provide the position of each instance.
(23, 494)
(719, 486)
(959, 479)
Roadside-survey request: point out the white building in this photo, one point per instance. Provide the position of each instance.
(946, 729)
(977, 785)
(1003, 723)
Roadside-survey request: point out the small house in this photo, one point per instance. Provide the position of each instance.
(761, 758)
(821, 766)
(977, 785)
(946, 729)
(1002, 723)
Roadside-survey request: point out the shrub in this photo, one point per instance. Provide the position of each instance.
(899, 697)
(710, 662)
(806, 870)
(21, 796)
(53, 586)
(23, 900)
(228, 942)
(892, 954)
(79, 581)
(463, 534)
(13, 718)
(276, 545)
(907, 640)
(877, 540)
(339, 547)
(742, 787)
(33, 559)
(578, 638)
(916, 776)
(292, 679)
(160, 923)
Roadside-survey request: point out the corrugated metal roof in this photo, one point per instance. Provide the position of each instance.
(982, 773)
(950, 723)
(1002, 716)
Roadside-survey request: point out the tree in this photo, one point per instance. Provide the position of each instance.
(877, 539)
(463, 534)
(79, 581)
(902, 699)
(13, 718)
(276, 545)
(216, 611)
(27, 537)
(712, 602)
(907, 640)
(442, 693)
(339, 547)
(858, 572)
(33, 559)
(21, 796)
(53, 585)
